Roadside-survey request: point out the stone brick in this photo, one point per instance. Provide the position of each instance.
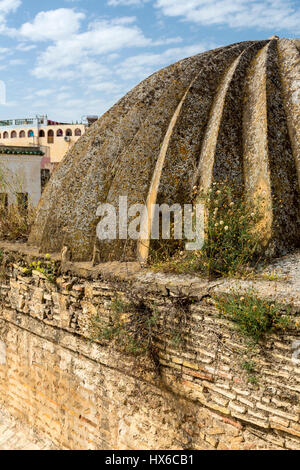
(215, 431)
(212, 441)
(239, 409)
(197, 374)
(251, 419)
(292, 445)
(177, 360)
(275, 411)
(280, 421)
(246, 402)
(287, 430)
(190, 365)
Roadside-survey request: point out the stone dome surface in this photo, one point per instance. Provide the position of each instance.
(232, 113)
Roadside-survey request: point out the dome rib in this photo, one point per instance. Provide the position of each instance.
(207, 156)
(255, 136)
(289, 60)
(143, 244)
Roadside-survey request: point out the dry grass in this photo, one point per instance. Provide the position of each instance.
(16, 222)
(16, 218)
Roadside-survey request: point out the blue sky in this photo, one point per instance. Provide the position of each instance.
(70, 58)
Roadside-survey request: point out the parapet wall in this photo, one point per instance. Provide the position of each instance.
(86, 393)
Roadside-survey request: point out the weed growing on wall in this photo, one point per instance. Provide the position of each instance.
(136, 327)
(231, 243)
(130, 327)
(45, 267)
(255, 317)
(250, 368)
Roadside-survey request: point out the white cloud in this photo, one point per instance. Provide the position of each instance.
(78, 50)
(16, 62)
(267, 14)
(105, 87)
(143, 65)
(6, 7)
(115, 3)
(25, 47)
(45, 92)
(53, 25)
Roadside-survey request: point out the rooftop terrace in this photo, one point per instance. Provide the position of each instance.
(18, 150)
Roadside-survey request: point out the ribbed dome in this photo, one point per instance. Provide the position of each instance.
(232, 113)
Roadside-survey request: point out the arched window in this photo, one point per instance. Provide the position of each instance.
(13, 135)
(78, 132)
(5, 135)
(22, 135)
(69, 133)
(59, 133)
(42, 133)
(50, 137)
(30, 133)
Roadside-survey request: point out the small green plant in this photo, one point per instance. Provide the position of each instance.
(130, 326)
(177, 338)
(273, 276)
(248, 366)
(46, 267)
(252, 379)
(118, 305)
(255, 317)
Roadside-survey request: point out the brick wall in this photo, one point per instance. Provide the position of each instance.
(88, 394)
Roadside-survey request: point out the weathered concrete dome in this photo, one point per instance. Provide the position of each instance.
(231, 113)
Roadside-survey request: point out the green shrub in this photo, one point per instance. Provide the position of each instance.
(130, 327)
(248, 366)
(231, 242)
(46, 267)
(254, 316)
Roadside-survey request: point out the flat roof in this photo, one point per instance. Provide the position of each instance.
(16, 150)
(34, 122)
